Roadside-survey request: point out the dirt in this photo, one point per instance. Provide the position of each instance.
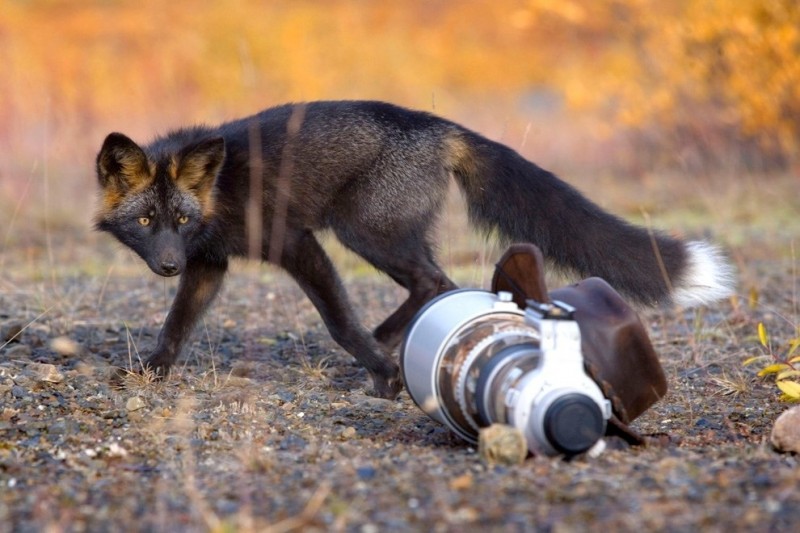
(267, 425)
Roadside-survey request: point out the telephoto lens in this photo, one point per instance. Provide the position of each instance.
(472, 358)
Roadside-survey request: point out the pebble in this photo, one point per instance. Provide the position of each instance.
(48, 373)
(378, 405)
(292, 442)
(462, 482)
(18, 351)
(64, 346)
(366, 473)
(135, 403)
(9, 330)
(786, 431)
(115, 450)
(502, 444)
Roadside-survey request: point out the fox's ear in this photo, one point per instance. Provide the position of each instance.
(197, 169)
(121, 164)
(199, 164)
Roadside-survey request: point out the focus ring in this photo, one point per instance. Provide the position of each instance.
(519, 335)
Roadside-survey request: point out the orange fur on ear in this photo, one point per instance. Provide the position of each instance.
(122, 165)
(197, 170)
(122, 168)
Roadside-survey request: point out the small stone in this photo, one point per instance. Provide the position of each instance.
(10, 330)
(48, 373)
(502, 444)
(18, 392)
(58, 427)
(292, 442)
(135, 403)
(462, 482)
(378, 405)
(64, 346)
(349, 433)
(18, 351)
(464, 515)
(115, 450)
(243, 369)
(366, 473)
(786, 431)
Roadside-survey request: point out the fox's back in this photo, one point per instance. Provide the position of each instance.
(326, 150)
(337, 135)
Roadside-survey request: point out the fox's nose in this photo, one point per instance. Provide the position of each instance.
(169, 268)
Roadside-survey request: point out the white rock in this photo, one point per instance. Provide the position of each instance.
(502, 444)
(135, 403)
(786, 431)
(64, 346)
(48, 373)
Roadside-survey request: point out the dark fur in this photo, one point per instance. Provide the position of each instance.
(374, 173)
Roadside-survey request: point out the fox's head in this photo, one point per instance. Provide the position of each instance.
(155, 201)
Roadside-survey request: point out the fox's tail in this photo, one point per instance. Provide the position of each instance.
(513, 197)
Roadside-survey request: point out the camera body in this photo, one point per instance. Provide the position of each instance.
(472, 358)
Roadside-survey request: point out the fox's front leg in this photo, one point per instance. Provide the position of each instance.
(199, 284)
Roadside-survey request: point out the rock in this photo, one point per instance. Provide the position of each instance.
(115, 450)
(64, 346)
(48, 373)
(349, 433)
(462, 482)
(502, 444)
(292, 442)
(378, 405)
(366, 473)
(18, 351)
(786, 431)
(135, 403)
(9, 330)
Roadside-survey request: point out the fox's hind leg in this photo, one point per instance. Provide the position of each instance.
(408, 260)
(308, 263)
(387, 217)
(424, 280)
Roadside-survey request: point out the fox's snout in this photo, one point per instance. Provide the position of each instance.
(167, 265)
(168, 257)
(168, 268)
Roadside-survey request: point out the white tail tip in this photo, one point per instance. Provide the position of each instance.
(708, 277)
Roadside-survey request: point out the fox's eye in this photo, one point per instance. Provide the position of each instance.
(144, 221)
(183, 219)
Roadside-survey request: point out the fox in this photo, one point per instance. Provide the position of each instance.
(377, 176)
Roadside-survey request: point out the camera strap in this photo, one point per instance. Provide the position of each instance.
(617, 351)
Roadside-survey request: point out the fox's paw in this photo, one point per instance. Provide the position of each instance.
(158, 365)
(387, 388)
(124, 376)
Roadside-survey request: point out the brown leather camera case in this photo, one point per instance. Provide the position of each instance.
(617, 351)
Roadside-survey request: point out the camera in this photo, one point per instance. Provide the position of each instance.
(472, 358)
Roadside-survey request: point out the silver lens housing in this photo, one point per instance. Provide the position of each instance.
(435, 348)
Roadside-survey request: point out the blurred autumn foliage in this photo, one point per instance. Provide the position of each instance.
(719, 78)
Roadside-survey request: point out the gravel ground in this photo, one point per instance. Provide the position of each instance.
(267, 425)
